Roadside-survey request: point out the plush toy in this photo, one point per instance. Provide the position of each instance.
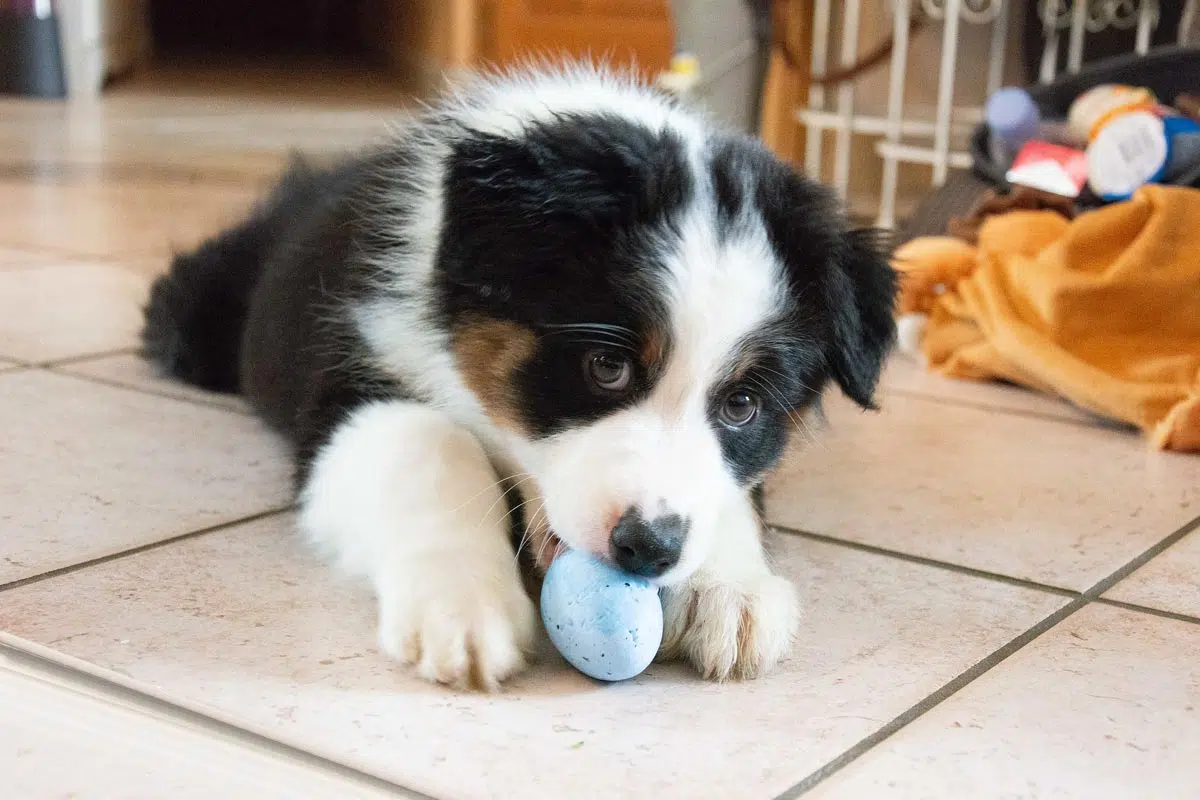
(605, 623)
(992, 203)
(931, 266)
(928, 266)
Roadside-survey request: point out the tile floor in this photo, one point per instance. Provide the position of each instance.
(1003, 594)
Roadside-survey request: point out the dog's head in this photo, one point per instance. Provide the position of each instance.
(644, 307)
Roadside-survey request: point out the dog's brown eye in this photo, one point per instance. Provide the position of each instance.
(608, 371)
(739, 408)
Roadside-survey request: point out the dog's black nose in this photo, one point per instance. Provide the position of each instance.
(647, 548)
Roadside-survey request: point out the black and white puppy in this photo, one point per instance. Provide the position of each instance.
(556, 281)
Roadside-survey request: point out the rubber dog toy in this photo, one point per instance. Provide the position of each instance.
(605, 623)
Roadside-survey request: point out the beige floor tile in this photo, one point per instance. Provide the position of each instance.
(132, 371)
(87, 470)
(1060, 504)
(1169, 582)
(252, 83)
(11, 259)
(59, 740)
(65, 310)
(146, 267)
(133, 155)
(245, 624)
(232, 119)
(906, 375)
(1105, 705)
(112, 220)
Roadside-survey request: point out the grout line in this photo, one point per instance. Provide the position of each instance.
(86, 174)
(146, 390)
(1096, 423)
(50, 256)
(1140, 561)
(928, 562)
(158, 709)
(1157, 612)
(21, 255)
(133, 551)
(67, 361)
(984, 665)
(61, 254)
(929, 702)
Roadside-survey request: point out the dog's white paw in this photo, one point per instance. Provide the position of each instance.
(727, 629)
(458, 626)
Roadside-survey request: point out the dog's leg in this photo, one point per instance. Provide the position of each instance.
(404, 496)
(732, 618)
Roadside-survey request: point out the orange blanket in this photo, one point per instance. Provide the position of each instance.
(1103, 310)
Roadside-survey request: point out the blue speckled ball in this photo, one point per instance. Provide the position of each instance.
(606, 623)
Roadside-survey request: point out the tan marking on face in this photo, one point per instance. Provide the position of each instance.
(489, 352)
(740, 368)
(612, 518)
(654, 349)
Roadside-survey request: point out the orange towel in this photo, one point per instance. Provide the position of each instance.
(1103, 310)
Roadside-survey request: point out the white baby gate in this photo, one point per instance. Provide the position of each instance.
(937, 140)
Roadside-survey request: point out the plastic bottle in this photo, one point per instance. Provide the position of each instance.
(1139, 146)
(1093, 109)
(1012, 119)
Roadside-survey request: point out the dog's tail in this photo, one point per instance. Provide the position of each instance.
(197, 311)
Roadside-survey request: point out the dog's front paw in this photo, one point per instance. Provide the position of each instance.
(730, 630)
(457, 626)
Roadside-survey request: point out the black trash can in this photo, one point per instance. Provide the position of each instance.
(31, 62)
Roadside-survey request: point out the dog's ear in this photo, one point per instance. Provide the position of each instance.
(842, 271)
(860, 295)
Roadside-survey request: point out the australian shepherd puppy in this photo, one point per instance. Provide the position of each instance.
(554, 282)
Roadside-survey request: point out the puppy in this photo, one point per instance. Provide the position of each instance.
(559, 284)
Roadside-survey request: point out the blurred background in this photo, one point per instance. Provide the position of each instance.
(330, 71)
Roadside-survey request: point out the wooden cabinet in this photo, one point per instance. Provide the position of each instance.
(624, 31)
(788, 80)
(427, 39)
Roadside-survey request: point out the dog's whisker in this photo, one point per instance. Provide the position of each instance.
(542, 546)
(498, 482)
(512, 511)
(529, 527)
(475, 496)
(791, 414)
(501, 498)
(534, 523)
(796, 419)
(802, 384)
(491, 486)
